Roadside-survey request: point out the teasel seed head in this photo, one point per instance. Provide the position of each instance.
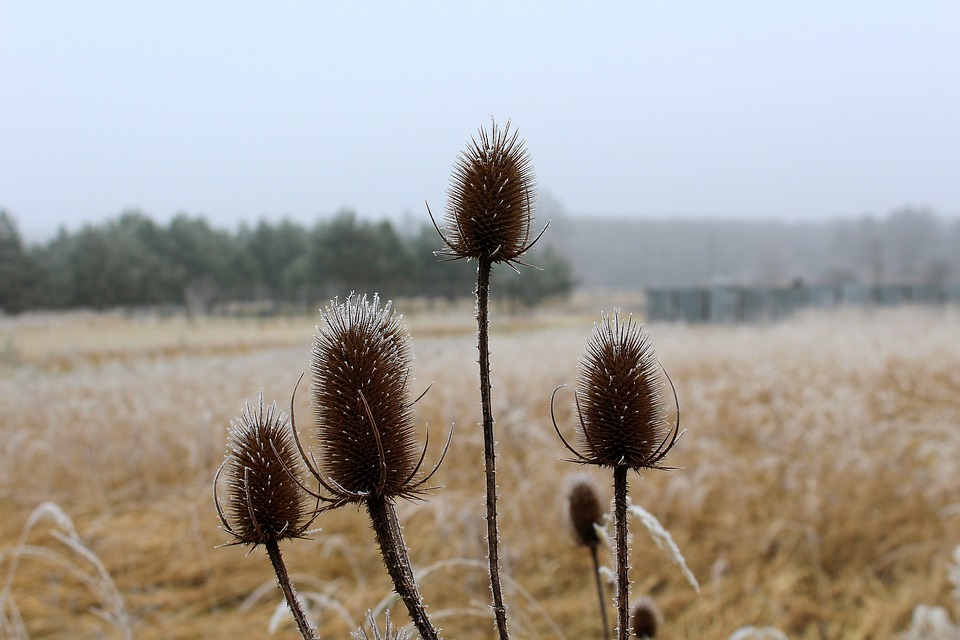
(490, 200)
(645, 618)
(364, 417)
(585, 509)
(264, 500)
(620, 400)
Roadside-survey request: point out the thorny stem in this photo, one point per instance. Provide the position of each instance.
(623, 566)
(394, 552)
(296, 608)
(603, 603)
(489, 453)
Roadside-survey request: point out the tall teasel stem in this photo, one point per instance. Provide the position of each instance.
(383, 515)
(489, 443)
(303, 625)
(595, 557)
(488, 219)
(623, 558)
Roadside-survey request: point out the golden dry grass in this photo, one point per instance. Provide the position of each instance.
(819, 491)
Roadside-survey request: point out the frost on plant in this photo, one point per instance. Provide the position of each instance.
(665, 541)
(953, 572)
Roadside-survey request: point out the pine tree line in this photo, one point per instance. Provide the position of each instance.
(131, 260)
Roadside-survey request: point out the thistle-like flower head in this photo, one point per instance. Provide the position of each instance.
(364, 416)
(264, 501)
(620, 399)
(585, 509)
(490, 199)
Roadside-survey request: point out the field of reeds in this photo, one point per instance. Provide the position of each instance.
(819, 488)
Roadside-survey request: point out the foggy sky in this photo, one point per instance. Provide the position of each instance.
(242, 110)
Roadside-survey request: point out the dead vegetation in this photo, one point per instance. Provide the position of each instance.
(818, 494)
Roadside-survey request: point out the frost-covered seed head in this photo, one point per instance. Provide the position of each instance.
(263, 502)
(361, 365)
(620, 396)
(491, 198)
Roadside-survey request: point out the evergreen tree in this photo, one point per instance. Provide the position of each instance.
(17, 272)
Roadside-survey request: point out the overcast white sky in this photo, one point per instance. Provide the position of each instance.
(241, 110)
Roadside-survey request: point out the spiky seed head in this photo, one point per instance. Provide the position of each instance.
(645, 618)
(620, 396)
(584, 508)
(491, 198)
(361, 366)
(263, 501)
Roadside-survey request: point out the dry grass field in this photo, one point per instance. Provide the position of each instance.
(819, 491)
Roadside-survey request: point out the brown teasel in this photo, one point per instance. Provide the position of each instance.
(585, 509)
(364, 418)
(264, 501)
(586, 516)
(644, 618)
(490, 200)
(619, 398)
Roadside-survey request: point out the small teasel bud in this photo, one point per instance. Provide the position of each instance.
(490, 199)
(584, 508)
(586, 514)
(365, 425)
(645, 618)
(620, 400)
(264, 501)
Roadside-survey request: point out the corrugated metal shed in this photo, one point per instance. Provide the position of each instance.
(733, 303)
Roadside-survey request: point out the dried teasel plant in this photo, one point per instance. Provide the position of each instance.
(624, 425)
(264, 500)
(620, 402)
(489, 213)
(366, 450)
(585, 511)
(364, 418)
(365, 429)
(489, 217)
(645, 618)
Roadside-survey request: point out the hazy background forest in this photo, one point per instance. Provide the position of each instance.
(906, 246)
(131, 260)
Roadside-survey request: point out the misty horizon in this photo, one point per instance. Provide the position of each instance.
(406, 220)
(790, 110)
